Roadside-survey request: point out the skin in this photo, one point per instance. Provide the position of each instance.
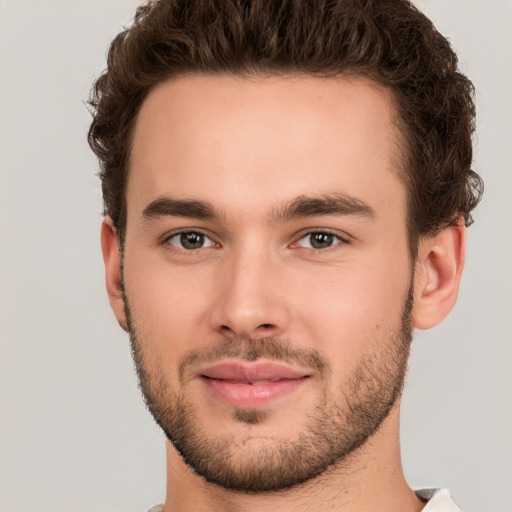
(249, 147)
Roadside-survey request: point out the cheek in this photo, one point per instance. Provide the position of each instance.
(349, 310)
(168, 305)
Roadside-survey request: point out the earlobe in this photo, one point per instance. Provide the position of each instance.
(438, 272)
(113, 270)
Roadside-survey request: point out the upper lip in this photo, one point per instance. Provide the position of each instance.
(251, 371)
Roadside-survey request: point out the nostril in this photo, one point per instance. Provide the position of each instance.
(266, 326)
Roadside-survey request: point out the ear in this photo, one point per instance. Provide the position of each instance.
(113, 274)
(437, 275)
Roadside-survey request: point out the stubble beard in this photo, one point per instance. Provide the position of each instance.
(338, 426)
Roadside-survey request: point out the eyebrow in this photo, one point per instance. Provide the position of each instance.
(324, 204)
(170, 207)
(300, 207)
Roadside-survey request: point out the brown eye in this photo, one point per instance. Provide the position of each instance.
(190, 240)
(319, 240)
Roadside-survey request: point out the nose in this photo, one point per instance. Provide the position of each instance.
(251, 300)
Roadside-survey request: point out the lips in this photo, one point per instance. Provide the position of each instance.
(251, 385)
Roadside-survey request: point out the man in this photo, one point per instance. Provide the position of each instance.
(286, 189)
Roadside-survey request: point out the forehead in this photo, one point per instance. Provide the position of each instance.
(249, 143)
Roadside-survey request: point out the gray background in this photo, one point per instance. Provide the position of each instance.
(74, 434)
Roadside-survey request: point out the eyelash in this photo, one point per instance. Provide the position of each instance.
(166, 239)
(296, 244)
(322, 231)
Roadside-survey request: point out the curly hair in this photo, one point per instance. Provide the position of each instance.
(388, 41)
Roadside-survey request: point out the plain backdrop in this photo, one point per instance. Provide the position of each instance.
(74, 433)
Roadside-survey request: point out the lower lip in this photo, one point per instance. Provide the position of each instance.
(252, 395)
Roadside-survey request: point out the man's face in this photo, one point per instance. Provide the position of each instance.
(266, 271)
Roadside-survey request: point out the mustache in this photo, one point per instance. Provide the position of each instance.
(270, 348)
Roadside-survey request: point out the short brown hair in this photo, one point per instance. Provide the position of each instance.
(388, 41)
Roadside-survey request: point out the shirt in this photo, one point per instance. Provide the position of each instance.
(438, 500)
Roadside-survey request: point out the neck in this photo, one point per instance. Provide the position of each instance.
(369, 479)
